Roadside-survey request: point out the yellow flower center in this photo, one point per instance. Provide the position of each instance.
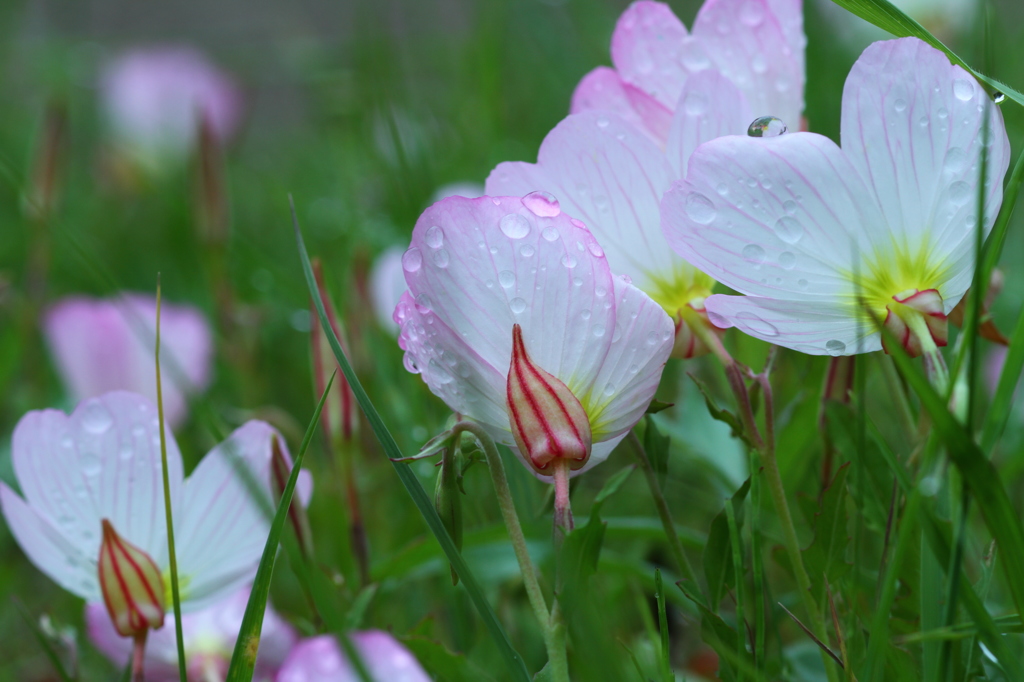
(893, 271)
(679, 288)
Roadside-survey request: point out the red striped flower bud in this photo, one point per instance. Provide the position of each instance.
(132, 585)
(548, 422)
(913, 315)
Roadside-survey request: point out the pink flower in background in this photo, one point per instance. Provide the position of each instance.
(320, 659)
(106, 345)
(608, 173)
(153, 99)
(756, 45)
(478, 267)
(209, 639)
(803, 227)
(103, 462)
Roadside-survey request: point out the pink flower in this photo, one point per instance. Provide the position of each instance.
(804, 228)
(208, 636)
(478, 267)
(320, 659)
(756, 45)
(743, 60)
(103, 462)
(154, 98)
(106, 345)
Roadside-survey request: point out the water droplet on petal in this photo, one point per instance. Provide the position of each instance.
(595, 250)
(585, 314)
(755, 324)
(900, 105)
(752, 14)
(802, 283)
(835, 347)
(514, 226)
(441, 258)
(410, 363)
(90, 464)
(126, 452)
(598, 331)
(787, 260)
(959, 193)
(434, 237)
(549, 233)
(423, 304)
(789, 229)
(695, 103)
(412, 260)
(766, 126)
(569, 261)
(95, 418)
(652, 339)
(542, 204)
(718, 320)
(789, 206)
(753, 253)
(517, 305)
(963, 89)
(759, 64)
(722, 189)
(602, 121)
(699, 208)
(956, 160)
(577, 281)
(506, 278)
(527, 250)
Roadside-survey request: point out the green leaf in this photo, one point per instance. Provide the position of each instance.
(513, 661)
(824, 556)
(887, 17)
(657, 406)
(665, 666)
(657, 447)
(722, 415)
(443, 663)
(717, 556)
(718, 635)
(243, 659)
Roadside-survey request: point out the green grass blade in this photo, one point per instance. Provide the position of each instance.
(887, 17)
(44, 641)
(172, 555)
(243, 659)
(997, 238)
(513, 661)
(664, 665)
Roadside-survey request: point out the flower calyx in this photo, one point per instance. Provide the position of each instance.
(547, 421)
(916, 321)
(132, 585)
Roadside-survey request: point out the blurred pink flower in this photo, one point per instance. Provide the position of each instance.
(209, 639)
(804, 228)
(106, 345)
(744, 60)
(477, 267)
(756, 45)
(103, 462)
(320, 659)
(154, 98)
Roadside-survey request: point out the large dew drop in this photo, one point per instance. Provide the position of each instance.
(95, 418)
(835, 347)
(753, 253)
(789, 229)
(542, 204)
(699, 208)
(963, 89)
(766, 126)
(514, 226)
(517, 305)
(434, 237)
(412, 260)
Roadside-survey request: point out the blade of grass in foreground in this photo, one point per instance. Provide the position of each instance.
(887, 17)
(44, 641)
(513, 661)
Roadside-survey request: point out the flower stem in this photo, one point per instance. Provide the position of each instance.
(661, 504)
(551, 622)
(563, 510)
(138, 656)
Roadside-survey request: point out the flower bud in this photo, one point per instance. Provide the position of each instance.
(689, 343)
(280, 470)
(904, 320)
(132, 585)
(548, 422)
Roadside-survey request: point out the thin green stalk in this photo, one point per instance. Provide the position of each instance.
(737, 564)
(172, 556)
(554, 635)
(758, 568)
(675, 546)
(664, 664)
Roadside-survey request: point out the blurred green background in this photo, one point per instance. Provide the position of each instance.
(361, 110)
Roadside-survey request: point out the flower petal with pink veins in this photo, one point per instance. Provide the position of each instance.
(650, 49)
(225, 515)
(107, 345)
(812, 327)
(912, 127)
(320, 659)
(779, 217)
(710, 106)
(101, 462)
(610, 177)
(603, 90)
(748, 44)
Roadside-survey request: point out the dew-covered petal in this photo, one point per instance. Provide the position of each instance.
(710, 106)
(646, 48)
(631, 369)
(612, 178)
(486, 264)
(387, 284)
(603, 90)
(225, 517)
(107, 345)
(790, 15)
(912, 127)
(824, 327)
(320, 659)
(101, 462)
(782, 217)
(748, 44)
(49, 548)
